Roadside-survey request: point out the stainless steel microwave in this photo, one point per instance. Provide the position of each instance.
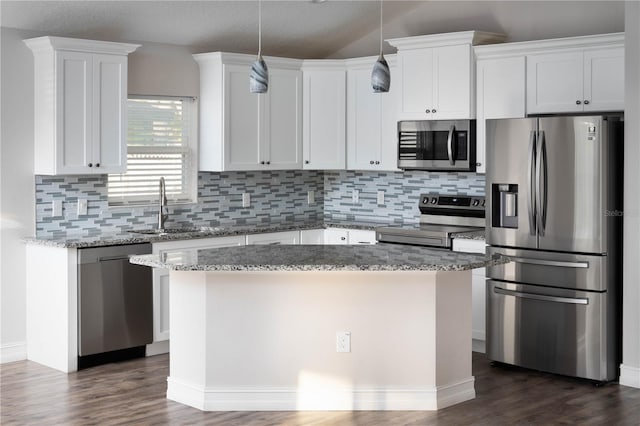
(440, 145)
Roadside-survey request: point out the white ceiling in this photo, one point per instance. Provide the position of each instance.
(300, 28)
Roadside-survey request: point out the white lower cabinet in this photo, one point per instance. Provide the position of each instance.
(161, 278)
(312, 236)
(349, 236)
(478, 298)
(274, 238)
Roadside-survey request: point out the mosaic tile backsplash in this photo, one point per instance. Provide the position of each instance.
(276, 197)
(401, 193)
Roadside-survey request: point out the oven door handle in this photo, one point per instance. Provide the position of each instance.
(570, 300)
(450, 152)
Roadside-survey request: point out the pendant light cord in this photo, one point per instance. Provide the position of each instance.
(259, 28)
(381, 27)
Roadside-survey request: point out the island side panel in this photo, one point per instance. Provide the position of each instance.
(188, 318)
(453, 338)
(271, 340)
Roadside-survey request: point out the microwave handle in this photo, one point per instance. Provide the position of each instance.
(450, 144)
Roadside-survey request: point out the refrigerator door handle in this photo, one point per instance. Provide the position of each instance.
(570, 300)
(450, 145)
(530, 180)
(549, 262)
(541, 186)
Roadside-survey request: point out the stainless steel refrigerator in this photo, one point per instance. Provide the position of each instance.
(554, 194)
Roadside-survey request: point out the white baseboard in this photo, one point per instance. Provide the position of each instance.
(288, 399)
(15, 351)
(478, 345)
(629, 376)
(157, 348)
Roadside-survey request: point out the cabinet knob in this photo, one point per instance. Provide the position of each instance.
(428, 111)
(343, 238)
(268, 162)
(478, 164)
(97, 164)
(371, 162)
(433, 110)
(578, 102)
(90, 164)
(262, 162)
(586, 102)
(377, 162)
(306, 162)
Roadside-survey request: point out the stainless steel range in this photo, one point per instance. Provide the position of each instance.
(442, 216)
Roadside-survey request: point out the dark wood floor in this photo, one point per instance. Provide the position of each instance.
(133, 392)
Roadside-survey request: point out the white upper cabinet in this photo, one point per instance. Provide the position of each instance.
(500, 94)
(437, 75)
(324, 103)
(80, 103)
(371, 118)
(580, 74)
(240, 130)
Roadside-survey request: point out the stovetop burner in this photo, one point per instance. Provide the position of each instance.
(443, 217)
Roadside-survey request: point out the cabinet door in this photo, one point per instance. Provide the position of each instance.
(336, 236)
(161, 283)
(109, 114)
(416, 81)
(274, 238)
(389, 120)
(241, 120)
(501, 94)
(74, 100)
(324, 100)
(604, 80)
(281, 141)
(364, 121)
(312, 236)
(555, 82)
(452, 83)
(357, 236)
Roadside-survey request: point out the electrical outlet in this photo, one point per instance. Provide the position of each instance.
(355, 196)
(343, 341)
(380, 198)
(311, 197)
(56, 208)
(82, 207)
(246, 199)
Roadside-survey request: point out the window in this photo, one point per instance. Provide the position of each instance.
(161, 142)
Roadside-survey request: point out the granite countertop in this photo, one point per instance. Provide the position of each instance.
(128, 237)
(471, 235)
(378, 257)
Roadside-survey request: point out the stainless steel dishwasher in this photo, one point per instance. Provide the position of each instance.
(115, 300)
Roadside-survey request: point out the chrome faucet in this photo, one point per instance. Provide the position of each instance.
(163, 210)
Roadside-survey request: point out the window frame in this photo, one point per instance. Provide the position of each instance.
(191, 166)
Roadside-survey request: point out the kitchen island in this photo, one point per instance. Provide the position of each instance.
(258, 327)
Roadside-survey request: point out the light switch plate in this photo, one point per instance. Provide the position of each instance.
(82, 207)
(311, 197)
(380, 198)
(246, 199)
(56, 208)
(355, 196)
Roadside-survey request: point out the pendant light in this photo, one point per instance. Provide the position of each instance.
(259, 76)
(380, 75)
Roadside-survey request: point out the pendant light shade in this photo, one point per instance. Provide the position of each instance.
(259, 76)
(381, 75)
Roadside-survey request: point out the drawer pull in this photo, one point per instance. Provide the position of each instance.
(542, 297)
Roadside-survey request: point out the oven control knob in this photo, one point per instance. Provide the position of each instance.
(483, 203)
(434, 200)
(425, 200)
(476, 203)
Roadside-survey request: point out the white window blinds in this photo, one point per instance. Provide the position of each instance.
(160, 142)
